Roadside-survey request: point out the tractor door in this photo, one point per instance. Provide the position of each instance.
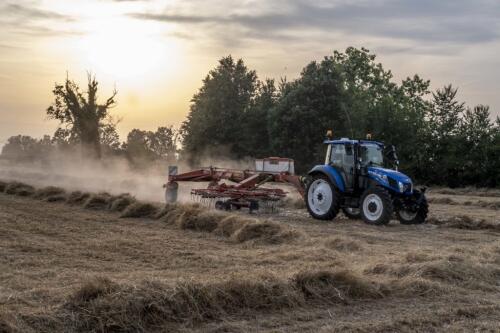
(342, 158)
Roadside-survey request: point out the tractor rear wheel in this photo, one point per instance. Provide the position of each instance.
(322, 198)
(376, 206)
(418, 217)
(352, 213)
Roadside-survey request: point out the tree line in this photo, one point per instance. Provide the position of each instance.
(234, 114)
(88, 126)
(439, 139)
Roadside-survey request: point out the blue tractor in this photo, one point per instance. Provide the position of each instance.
(360, 177)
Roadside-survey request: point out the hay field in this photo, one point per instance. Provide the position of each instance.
(96, 262)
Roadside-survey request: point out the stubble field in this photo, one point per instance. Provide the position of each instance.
(77, 264)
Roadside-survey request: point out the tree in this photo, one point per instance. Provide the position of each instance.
(254, 136)
(306, 108)
(81, 114)
(217, 110)
(477, 134)
(143, 147)
(24, 148)
(351, 94)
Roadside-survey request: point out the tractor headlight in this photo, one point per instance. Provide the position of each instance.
(401, 187)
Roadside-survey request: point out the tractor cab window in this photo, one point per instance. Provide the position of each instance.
(342, 157)
(371, 155)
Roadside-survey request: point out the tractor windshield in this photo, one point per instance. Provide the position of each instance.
(371, 154)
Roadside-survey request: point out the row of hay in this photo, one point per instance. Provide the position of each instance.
(238, 228)
(469, 191)
(102, 305)
(188, 217)
(464, 222)
(96, 201)
(454, 270)
(105, 306)
(479, 203)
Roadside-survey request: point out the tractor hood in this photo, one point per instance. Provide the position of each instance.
(392, 179)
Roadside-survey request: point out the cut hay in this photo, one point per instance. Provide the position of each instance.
(203, 221)
(479, 203)
(293, 203)
(91, 290)
(239, 229)
(98, 201)
(21, 189)
(49, 191)
(464, 222)
(119, 203)
(343, 244)
(172, 213)
(442, 201)
(3, 185)
(335, 286)
(56, 198)
(77, 197)
(140, 209)
(454, 270)
(469, 191)
(102, 305)
(230, 224)
(6, 326)
(264, 232)
(411, 286)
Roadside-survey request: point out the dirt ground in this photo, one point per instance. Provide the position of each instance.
(429, 278)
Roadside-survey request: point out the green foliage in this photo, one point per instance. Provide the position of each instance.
(143, 147)
(439, 139)
(306, 108)
(24, 148)
(216, 118)
(86, 120)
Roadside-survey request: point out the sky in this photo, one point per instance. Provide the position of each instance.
(156, 53)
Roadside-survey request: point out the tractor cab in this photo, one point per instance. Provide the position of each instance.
(360, 158)
(361, 178)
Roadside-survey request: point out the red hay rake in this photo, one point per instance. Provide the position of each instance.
(247, 189)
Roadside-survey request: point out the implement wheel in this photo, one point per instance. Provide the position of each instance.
(418, 217)
(322, 198)
(376, 206)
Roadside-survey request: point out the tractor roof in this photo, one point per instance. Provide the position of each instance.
(351, 141)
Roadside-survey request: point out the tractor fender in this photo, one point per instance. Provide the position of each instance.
(331, 173)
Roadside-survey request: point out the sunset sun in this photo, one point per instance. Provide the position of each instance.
(127, 50)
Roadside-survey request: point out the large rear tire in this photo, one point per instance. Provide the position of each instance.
(418, 217)
(322, 198)
(376, 206)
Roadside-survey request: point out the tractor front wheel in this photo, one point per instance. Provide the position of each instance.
(322, 198)
(418, 217)
(376, 206)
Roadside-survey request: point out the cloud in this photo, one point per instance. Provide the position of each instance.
(454, 22)
(17, 10)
